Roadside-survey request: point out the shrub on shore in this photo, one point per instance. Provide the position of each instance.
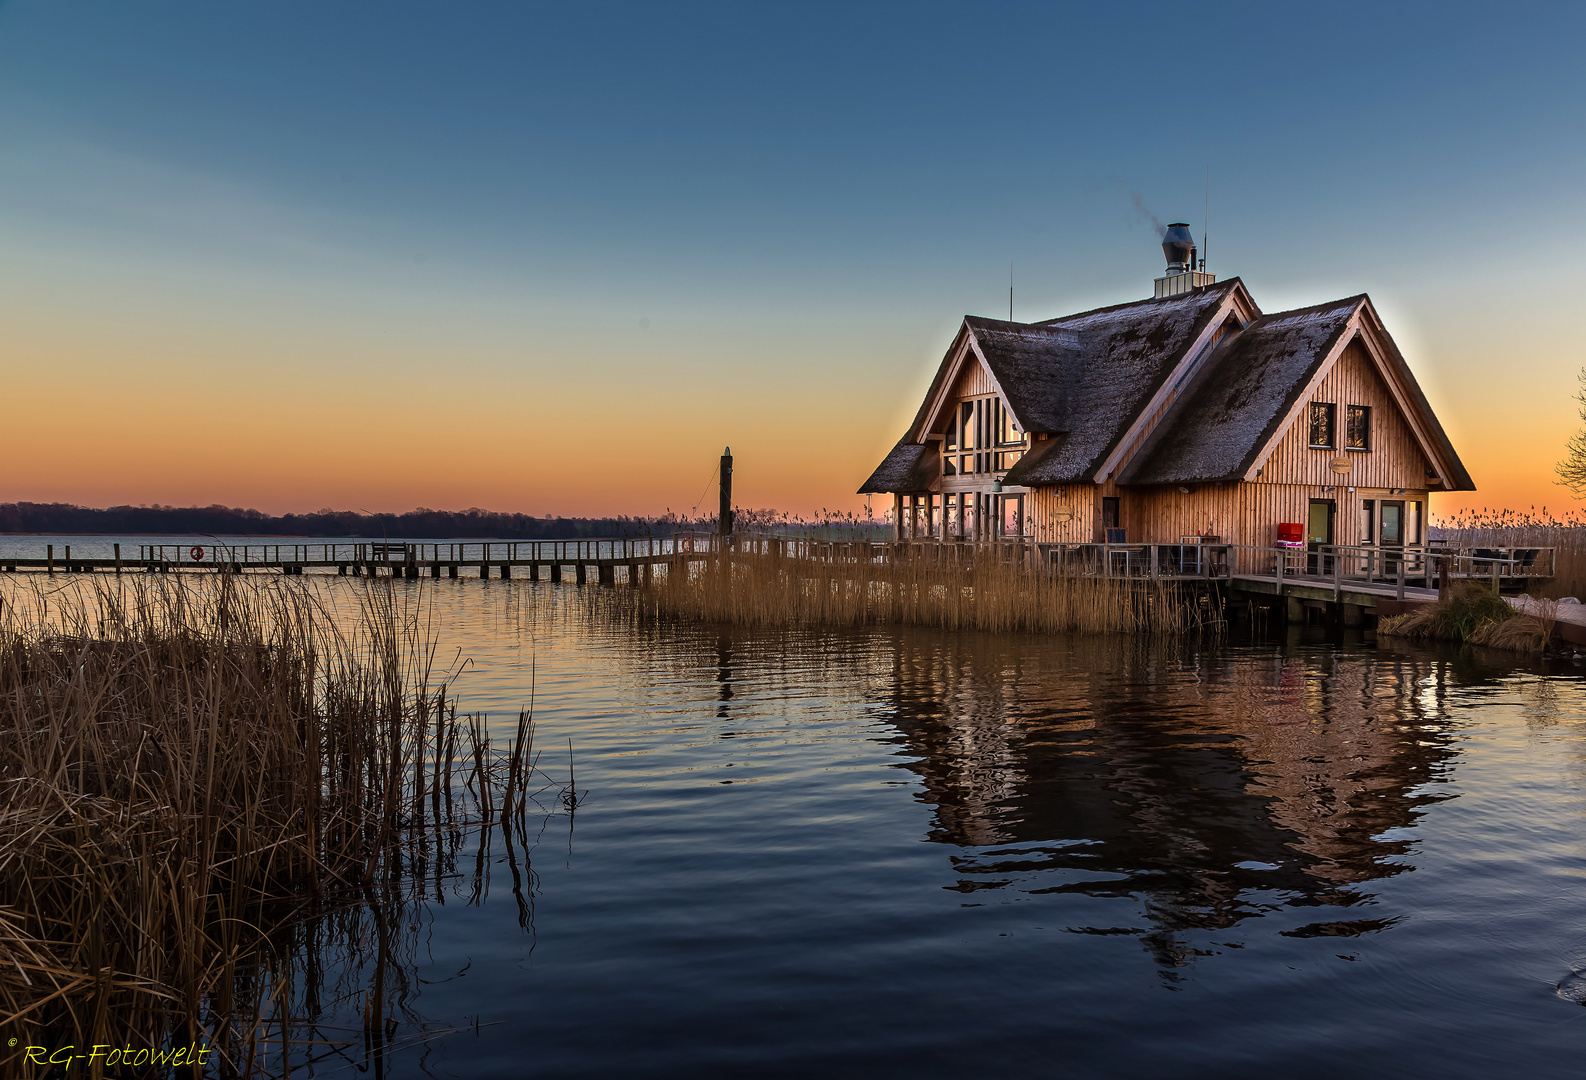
(1472, 614)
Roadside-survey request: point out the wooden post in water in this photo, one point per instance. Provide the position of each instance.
(725, 521)
(49, 557)
(118, 558)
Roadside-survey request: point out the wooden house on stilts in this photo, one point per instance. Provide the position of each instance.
(1188, 415)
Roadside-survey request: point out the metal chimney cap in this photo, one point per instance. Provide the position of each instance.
(1179, 246)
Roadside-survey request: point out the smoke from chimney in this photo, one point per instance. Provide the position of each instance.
(1156, 222)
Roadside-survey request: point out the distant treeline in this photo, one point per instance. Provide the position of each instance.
(64, 519)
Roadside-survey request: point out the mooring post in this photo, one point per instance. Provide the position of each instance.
(580, 571)
(725, 520)
(118, 558)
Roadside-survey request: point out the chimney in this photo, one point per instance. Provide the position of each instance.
(1179, 248)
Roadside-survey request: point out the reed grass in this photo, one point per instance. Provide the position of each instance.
(986, 592)
(189, 765)
(1473, 614)
(1526, 529)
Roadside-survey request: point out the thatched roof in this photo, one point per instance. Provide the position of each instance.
(908, 468)
(1240, 396)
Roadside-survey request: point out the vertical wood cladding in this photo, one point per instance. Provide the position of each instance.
(1064, 514)
(1237, 513)
(974, 379)
(1393, 461)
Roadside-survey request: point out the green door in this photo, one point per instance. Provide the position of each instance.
(1319, 531)
(1392, 527)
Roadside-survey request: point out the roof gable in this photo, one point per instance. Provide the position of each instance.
(1246, 393)
(1253, 389)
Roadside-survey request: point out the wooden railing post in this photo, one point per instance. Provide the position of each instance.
(1399, 592)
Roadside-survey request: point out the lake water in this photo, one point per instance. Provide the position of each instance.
(894, 853)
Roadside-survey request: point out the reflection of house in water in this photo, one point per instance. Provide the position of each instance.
(1104, 768)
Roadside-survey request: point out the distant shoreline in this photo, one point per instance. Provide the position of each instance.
(66, 519)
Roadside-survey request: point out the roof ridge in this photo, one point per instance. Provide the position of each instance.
(1347, 301)
(1136, 303)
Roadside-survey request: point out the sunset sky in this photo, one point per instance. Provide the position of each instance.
(551, 259)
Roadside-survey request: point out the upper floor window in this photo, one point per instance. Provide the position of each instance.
(1322, 422)
(1357, 428)
(981, 437)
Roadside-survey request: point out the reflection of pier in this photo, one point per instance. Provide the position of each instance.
(1191, 783)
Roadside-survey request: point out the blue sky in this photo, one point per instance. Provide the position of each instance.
(567, 252)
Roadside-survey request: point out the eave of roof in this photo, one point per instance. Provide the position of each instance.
(908, 467)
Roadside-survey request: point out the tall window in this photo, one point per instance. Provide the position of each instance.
(1322, 425)
(1357, 428)
(981, 437)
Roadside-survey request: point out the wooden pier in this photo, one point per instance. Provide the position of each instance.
(1344, 581)
(532, 559)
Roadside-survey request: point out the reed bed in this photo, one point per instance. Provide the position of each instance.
(1526, 529)
(988, 592)
(192, 766)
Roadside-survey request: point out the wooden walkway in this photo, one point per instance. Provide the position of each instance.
(394, 559)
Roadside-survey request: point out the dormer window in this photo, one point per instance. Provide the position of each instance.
(1323, 415)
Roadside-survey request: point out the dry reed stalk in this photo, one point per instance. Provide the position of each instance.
(189, 762)
(1530, 529)
(988, 592)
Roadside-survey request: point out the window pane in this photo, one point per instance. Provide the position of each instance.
(1321, 424)
(1357, 436)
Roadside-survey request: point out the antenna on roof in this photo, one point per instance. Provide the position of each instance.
(1010, 290)
(1206, 212)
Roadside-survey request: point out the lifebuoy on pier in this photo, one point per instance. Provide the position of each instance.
(197, 552)
(686, 544)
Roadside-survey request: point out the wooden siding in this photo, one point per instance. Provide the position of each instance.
(1238, 513)
(973, 380)
(1394, 460)
(1043, 506)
